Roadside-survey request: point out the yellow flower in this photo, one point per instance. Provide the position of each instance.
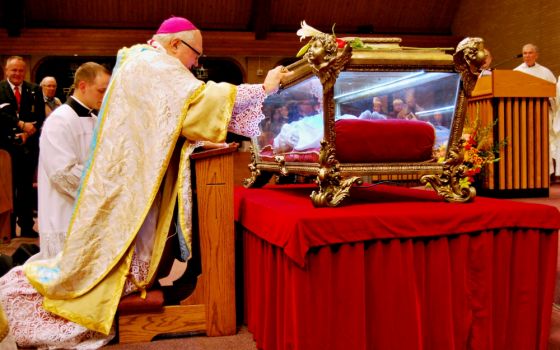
(479, 150)
(464, 182)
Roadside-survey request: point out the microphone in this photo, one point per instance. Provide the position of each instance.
(519, 55)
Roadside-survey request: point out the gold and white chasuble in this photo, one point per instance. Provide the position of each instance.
(152, 101)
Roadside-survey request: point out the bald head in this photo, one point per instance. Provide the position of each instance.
(15, 69)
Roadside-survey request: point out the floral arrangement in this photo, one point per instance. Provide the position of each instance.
(479, 150)
(307, 31)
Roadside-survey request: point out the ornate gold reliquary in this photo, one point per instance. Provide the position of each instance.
(369, 107)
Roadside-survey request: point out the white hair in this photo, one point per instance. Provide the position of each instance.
(165, 39)
(533, 46)
(44, 81)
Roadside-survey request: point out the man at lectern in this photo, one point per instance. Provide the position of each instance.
(530, 65)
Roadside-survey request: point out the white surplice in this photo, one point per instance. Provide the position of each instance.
(537, 70)
(64, 149)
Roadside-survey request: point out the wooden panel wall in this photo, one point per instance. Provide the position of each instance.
(506, 25)
(105, 42)
(358, 16)
(249, 53)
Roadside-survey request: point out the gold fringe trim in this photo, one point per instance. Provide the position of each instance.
(140, 285)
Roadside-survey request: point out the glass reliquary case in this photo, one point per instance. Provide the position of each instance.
(369, 108)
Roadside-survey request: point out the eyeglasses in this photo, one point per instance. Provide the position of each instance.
(199, 54)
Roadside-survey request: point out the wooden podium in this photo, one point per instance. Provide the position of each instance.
(214, 195)
(518, 105)
(211, 307)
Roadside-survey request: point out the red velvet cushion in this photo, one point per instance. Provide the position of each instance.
(134, 304)
(383, 141)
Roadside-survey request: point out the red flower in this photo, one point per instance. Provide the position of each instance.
(341, 43)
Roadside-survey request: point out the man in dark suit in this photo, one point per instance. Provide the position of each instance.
(22, 113)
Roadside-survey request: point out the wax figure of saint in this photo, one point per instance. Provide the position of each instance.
(153, 116)
(304, 134)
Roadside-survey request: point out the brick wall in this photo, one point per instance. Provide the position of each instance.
(506, 25)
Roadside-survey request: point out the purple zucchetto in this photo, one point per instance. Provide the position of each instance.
(175, 25)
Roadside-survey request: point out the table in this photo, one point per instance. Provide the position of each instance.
(396, 268)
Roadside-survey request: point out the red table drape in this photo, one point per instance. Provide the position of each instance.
(396, 268)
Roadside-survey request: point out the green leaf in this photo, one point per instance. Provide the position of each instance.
(304, 49)
(357, 43)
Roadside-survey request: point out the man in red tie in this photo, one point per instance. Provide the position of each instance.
(22, 113)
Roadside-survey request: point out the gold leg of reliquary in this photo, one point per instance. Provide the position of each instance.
(333, 190)
(448, 183)
(258, 179)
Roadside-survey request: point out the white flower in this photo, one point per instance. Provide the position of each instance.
(306, 31)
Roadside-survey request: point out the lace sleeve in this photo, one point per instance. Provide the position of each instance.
(67, 180)
(247, 110)
(60, 148)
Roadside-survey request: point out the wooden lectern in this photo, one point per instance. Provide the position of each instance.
(211, 306)
(518, 104)
(216, 286)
